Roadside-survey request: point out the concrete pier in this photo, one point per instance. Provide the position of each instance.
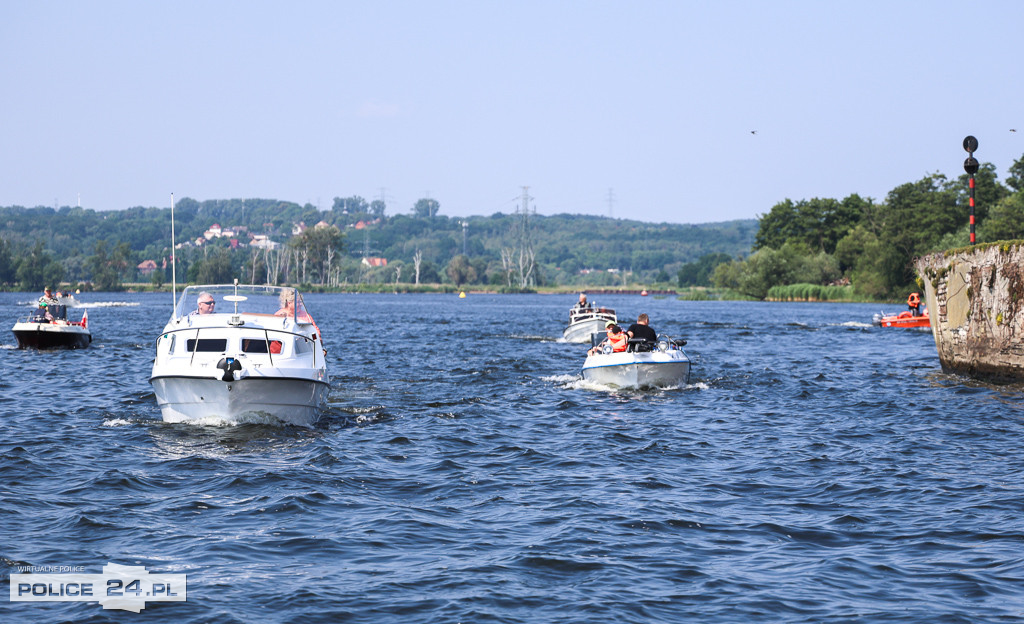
(975, 298)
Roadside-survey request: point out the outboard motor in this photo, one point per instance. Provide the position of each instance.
(229, 365)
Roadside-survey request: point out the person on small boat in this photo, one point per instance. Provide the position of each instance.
(204, 304)
(582, 305)
(642, 329)
(47, 299)
(914, 303)
(42, 313)
(614, 336)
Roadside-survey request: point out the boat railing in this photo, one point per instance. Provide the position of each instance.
(576, 315)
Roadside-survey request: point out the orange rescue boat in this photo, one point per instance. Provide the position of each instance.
(903, 319)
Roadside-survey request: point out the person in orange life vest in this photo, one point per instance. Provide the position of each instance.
(914, 303)
(614, 336)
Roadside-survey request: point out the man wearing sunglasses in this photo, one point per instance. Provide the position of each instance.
(204, 303)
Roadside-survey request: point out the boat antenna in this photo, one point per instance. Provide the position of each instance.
(174, 276)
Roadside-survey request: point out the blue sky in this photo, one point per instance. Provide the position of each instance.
(122, 103)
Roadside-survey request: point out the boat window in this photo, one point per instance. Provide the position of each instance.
(259, 345)
(215, 345)
(303, 346)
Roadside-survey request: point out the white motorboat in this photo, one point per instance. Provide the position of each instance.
(48, 328)
(246, 358)
(664, 364)
(583, 322)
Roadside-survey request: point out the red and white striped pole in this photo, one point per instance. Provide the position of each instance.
(971, 167)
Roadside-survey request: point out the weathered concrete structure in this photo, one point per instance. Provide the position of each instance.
(975, 298)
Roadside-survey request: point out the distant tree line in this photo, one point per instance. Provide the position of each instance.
(866, 244)
(338, 246)
(855, 242)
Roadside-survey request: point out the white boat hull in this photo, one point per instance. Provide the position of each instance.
(581, 331)
(241, 363)
(248, 400)
(638, 370)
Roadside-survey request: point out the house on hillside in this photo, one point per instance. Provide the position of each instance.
(146, 267)
(262, 241)
(375, 262)
(215, 231)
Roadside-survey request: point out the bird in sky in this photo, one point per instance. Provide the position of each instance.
(1013, 129)
(753, 132)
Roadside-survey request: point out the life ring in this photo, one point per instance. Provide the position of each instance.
(904, 315)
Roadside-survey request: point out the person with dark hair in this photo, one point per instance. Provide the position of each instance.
(641, 329)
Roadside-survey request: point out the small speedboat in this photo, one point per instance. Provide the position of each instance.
(48, 328)
(584, 322)
(251, 356)
(903, 319)
(641, 366)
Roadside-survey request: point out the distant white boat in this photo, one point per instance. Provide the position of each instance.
(246, 361)
(666, 364)
(586, 321)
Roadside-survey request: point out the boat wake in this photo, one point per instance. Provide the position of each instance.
(575, 382)
(117, 422)
(248, 418)
(107, 304)
(535, 338)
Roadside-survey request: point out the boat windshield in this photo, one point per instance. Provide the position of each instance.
(242, 299)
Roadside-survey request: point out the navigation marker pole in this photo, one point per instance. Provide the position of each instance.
(971, 167)
(174, 276)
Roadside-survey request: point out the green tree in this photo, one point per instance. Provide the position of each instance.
(214, 269)
(1015, 177)
(108, 265)
(460, 271)
(919, 214)
(157, 278)
(31, 271)
(699, 273)
(817, 223)
(426, 207)
(1005, 220)
(8, 269)
(988, 192)
(320, 250)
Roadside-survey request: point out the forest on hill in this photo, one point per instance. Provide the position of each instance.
(869, 246)
(354, 243)
(863, 248)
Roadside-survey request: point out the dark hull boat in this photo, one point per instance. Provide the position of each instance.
(52, 331)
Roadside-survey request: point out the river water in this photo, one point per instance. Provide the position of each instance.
(815, 469)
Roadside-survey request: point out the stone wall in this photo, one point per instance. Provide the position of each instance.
(975, 298)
